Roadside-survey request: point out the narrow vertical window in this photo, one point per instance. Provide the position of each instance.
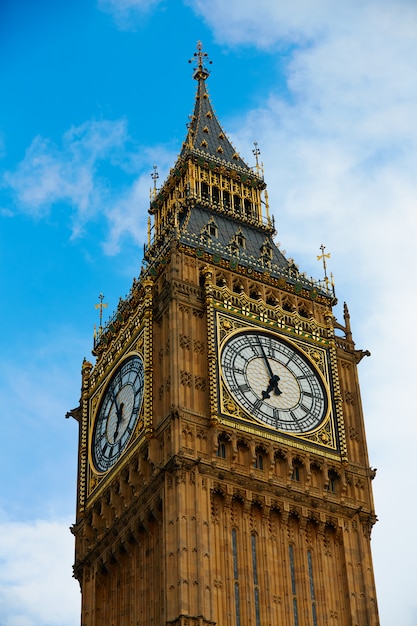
(221, 450)
(255, 581)
(312, 593)
(259, 461)
(236, 576)
(293, 586)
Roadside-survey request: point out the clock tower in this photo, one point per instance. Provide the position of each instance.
(223, 473)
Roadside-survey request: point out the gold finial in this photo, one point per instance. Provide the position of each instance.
(102, 305)
(149, 231)
(259, 167)
(267, 206)
(154, 177)
(256, 153)
(201, 72)
(324, 256)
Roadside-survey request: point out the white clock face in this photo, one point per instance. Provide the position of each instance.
(118, 413)
(274, 382)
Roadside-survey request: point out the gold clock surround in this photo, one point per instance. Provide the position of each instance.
(232, 414)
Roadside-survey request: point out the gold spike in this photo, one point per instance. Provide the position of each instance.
(102, 305)
(155, 177)
(323, 257)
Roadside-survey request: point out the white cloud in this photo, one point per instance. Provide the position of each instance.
(127, 13)
(50, 174)
(36, 560)
(77, 174)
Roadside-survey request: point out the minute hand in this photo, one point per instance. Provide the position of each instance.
(119, 416)
(274, 378)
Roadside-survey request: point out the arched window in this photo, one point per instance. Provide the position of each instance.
(236, 576)
(259, 461)
(312, 592)
(255, 580)
(260, 456)
(226, 199)
(293, 585)
(205, 191)
(221, 449)
(333, 481)
(296, 470)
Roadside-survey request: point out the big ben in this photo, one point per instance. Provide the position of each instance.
(223, 473)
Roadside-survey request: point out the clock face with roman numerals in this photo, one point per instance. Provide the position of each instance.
(274, 382)
(118, 413)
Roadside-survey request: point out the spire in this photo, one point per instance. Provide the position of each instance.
(205, 136)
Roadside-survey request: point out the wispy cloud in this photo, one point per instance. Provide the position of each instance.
(36, 560)
(83, 172)
(68, 173)
(127, 14)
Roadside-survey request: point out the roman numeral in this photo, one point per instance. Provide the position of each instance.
(257, 405)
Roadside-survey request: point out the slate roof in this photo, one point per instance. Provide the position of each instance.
(205, 135)
(195, 233)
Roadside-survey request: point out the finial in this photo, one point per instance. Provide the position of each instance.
(256, 152)
(346, 317)
(201, 72)
(324, 257)
(100, 306)
(259, 167)
(154, 177)
(149, 231)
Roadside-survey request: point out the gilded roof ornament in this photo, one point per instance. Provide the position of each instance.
(102, 305)
(154, 176)
(200, 72)
(322, 257)
(256, 152)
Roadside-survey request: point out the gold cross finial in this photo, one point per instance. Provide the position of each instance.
(102, 305)
(323, 257)
(201, 72)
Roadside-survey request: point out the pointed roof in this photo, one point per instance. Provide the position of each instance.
(205, 135)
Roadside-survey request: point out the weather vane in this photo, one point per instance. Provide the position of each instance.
(201, 72)
(102, 305)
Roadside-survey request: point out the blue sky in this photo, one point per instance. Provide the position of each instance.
(93, 94)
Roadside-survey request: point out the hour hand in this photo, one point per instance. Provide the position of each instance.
(273, 386)
(117, 407)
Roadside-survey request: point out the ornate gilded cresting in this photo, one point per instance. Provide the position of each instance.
(223, 475)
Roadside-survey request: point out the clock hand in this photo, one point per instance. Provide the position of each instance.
(119, 410)
(119, 421)
(274, 378)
